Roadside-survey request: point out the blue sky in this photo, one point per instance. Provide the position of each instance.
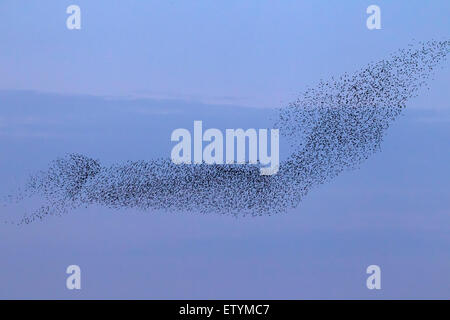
(115, 89)
(255, 53)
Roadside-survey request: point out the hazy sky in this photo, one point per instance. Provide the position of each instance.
(393, 211)
(252, 52)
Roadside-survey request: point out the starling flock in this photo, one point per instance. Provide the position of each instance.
(331, 127)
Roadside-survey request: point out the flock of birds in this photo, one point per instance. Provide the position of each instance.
(331, 127)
